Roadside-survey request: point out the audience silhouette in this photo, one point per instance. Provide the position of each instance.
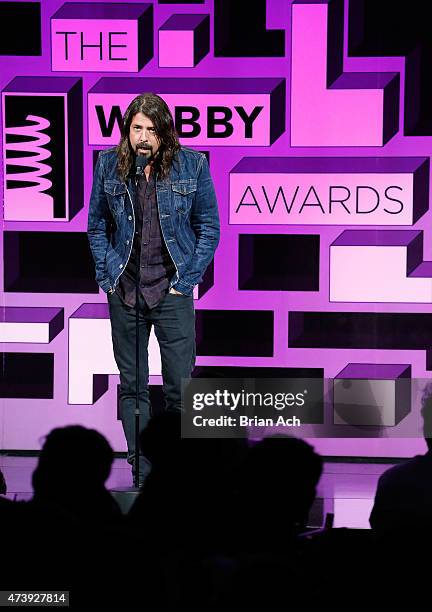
(403, 499)
(218, 524)
(3, 487)
(73, 466)
(71, 535)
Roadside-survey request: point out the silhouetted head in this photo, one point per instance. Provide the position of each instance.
(72, 458)
(280, 478)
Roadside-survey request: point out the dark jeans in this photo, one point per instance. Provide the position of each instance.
(174, 323)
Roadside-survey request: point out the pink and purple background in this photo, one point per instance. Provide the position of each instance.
(311, 132)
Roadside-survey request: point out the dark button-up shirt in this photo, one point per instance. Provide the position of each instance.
(155, 264)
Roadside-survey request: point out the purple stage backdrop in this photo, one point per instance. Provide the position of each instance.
(322, 176)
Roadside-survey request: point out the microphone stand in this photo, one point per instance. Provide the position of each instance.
(125, 497)
(140, 164)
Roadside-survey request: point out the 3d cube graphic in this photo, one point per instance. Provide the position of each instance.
(30, 324)
(183, 41)
(372, 394)
(382, 265)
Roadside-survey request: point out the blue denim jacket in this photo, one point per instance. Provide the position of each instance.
(188, 217)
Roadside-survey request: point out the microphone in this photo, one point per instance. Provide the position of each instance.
(141, 162)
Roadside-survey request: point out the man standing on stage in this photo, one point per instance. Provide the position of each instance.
(159, 228)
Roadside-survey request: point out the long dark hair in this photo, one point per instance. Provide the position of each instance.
(156, 109)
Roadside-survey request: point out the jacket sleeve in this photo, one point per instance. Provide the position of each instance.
(204, 221)
(99, 223)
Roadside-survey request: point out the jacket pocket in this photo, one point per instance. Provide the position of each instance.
(115, 193)
(183, 194)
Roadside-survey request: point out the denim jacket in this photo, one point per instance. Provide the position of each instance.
(188, 216)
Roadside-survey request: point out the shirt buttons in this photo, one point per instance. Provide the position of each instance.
(121, 266)
(130, 217)
(127, 241)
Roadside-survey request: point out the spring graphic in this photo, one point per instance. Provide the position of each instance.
(29, 201)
